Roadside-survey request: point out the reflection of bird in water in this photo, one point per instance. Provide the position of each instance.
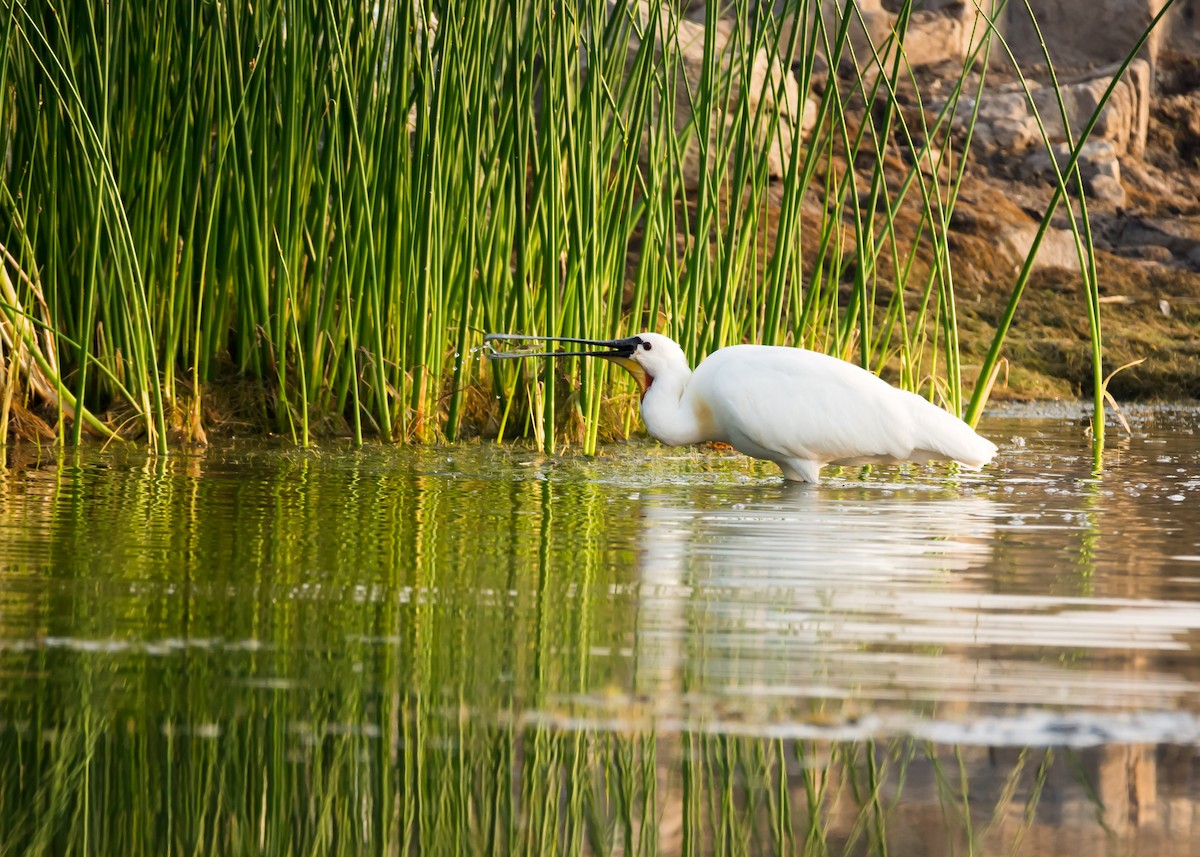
(848, 545)
(879, 599)
(801, 594)
(798, 408)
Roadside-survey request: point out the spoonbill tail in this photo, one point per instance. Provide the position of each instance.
(800, 409)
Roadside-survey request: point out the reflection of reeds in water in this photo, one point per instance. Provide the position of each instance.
(437, 782)
(279, 654)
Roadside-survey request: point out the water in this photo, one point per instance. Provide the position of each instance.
(481, 649)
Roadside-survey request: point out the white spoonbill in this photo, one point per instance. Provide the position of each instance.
(799, 408)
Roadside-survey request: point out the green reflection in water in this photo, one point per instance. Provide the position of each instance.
(435, 782)
(437, 652)
(232, 655)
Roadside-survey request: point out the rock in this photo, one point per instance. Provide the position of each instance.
(984, 136)
(1082, 31)
(1140, 79)
(877, 20)
(1005, 107)
(864, 55)
(938, 32)
(1106, 188)
(1143, 176)
(1016, 136)
(1046, 102)
(933, 160)
(1175, 239)
(770, 84)
(1037, 165)
(1097, 160)
(1107, 167)
(1151, 253)
(934, 37)
(1122, 123)
(999, 126)
(1057, 249)
(1181, 235)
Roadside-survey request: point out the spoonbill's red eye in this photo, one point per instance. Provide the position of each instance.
(646, 345)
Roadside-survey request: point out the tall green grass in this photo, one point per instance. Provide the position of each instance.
(300, 214)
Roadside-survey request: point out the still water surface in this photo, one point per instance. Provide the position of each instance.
(481, 649)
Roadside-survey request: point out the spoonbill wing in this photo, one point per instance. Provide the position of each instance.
(791, 404)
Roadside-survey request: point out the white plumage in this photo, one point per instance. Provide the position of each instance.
(798, 408)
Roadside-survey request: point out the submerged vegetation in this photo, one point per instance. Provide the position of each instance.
(300, 215)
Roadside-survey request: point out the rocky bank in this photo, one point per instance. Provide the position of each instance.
(1141, 173)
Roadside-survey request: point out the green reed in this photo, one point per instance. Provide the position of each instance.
(300, 214)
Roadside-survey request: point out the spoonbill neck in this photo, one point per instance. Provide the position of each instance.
(671, 414)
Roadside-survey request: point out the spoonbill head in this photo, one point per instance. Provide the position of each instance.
(798, 408)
